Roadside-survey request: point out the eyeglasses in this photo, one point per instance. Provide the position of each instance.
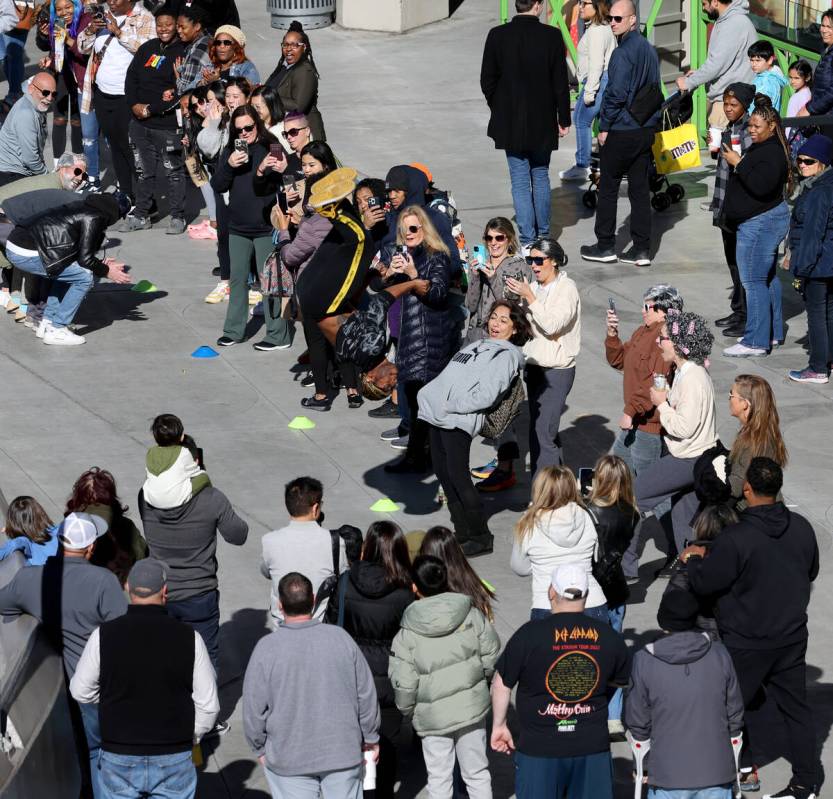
(804, 161)
(291, 45)
(246, 128)
(538, 260)
(497, 237)
(614, 18)
(223, 43)
(45, 92)
(660, 339)
(414, 228)
(734, 396)
(292, 132)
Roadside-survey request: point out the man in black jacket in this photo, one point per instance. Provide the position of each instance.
(62, 244)
(760, 571)
(150, 91)
(524, 80)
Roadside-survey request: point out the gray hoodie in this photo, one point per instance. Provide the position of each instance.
(684, 696)
(475, 378)
(726, 63)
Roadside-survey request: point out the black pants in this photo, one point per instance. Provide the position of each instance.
(417, 429)
(389, 735)
(738, 299)
(152, 146)
(782, 673)
(818, 300)
(626, 152)
(450, 451)
(114, 117)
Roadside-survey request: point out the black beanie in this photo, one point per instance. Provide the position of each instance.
(744, 92)
(678, 611)
(397, 179)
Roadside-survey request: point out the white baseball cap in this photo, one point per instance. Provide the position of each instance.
(79, 530)
(570, 580)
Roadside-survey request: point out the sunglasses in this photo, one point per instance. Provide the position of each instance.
(414, 228)
(246, 128)
(497, 237)
(804, 161)
(292, 132)
(648, 308)
(538, 260)
(80, 172)
(223, 43)
(45, 92)
(614, 18)
(660, 339)
(291, 45)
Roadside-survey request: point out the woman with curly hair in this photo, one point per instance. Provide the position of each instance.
(227, 52)
(688, 417)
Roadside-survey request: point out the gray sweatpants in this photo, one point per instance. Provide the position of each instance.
(469, 745)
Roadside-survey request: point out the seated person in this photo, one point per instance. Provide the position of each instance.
(30, 531)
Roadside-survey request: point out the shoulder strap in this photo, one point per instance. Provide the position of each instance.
(336, 544)
(342, 592)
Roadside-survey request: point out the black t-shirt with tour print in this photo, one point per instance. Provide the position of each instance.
(565, 667)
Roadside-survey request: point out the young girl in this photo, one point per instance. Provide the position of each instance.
(30, 531)
(556, 529)
(801, 79)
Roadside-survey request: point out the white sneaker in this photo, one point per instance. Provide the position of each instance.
(577, 173)
(742, 351)
(62, 336)
(219, 293)
(43, 326)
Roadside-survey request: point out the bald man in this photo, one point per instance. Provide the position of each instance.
(24, 132)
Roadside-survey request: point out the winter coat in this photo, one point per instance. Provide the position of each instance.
(297, 87)
(373, 609)
(441, 663)
(811, 230)
(685, 698)
(633, 65)
(484, 291)
(565, 535)
(771, 83)
(427, 330)
(523, 77)
(822, 100)
(760, 570)
(474, 380)
(296, 253)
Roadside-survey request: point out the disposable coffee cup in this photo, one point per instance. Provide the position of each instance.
(369, 781)
(715, 135)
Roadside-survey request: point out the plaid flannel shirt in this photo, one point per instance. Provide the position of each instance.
(195, 58)
(138, 28)
(721, 179)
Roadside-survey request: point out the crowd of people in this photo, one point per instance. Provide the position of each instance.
(452, 340)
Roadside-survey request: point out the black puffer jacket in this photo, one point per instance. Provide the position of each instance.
(426, 335)
(373, 611)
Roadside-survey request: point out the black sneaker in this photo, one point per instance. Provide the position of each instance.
(407, 465)
(387, 410)
(635, 257)
(793, 792)
(268, 346)
(593, 252)
(308, 381)
(225, 341)
(729, 321)
(475, 547)
(392, 434)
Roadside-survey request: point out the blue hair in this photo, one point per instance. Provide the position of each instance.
(78, 9)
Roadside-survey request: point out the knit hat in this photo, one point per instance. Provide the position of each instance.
(147, 577)
(818, 147)
(397, 179)
(678, 611)
(570, 581)
(79, 530)
(234, 33)
(333, 187)
(744, 93)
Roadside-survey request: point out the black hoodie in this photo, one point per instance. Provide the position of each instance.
(759, 571)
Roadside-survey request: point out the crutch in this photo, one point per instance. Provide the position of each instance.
(737, 745)
(639, 749)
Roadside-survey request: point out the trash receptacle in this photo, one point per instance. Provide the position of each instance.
(310, 13)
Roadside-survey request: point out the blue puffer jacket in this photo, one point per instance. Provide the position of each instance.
(822, 100)
(811, 230)
(634, 64)
(426, 336)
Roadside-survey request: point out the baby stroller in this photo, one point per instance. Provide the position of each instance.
(675, 111)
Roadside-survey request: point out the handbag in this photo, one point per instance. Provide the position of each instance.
(276, 279)
(504, 411)
(196, 170)
(675, 148)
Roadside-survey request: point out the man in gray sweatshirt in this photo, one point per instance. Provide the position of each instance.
(309, 702)
(23, 134)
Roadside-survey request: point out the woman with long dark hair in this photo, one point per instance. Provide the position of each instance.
(268, 104)
(250, 229)
(368, 603)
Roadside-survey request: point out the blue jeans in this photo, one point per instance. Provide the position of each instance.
(719, 792)
(148, 776)
(202, 613)
(529, 174)
(89, 139)
(14, 43)
(67, 291)
(583, 117)
(343, 784)
(587, 777)
(89, 717)
(616, 617)
(757, 248)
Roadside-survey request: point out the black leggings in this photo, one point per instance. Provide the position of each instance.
(450, 451)
(223, 256)
(418, 430)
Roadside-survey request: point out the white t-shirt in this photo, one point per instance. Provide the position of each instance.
(113, 69)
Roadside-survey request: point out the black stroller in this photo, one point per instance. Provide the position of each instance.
(676, 111)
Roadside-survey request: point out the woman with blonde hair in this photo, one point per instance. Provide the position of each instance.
(426, 336)
(554, 530)
(752, 403)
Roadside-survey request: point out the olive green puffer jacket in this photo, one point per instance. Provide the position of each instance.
(441, 662)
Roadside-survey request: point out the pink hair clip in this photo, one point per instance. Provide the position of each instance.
(675, 328)
(691, 328)
(686, 350)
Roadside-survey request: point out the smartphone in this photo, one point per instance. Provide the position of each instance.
(240, 146)
(276, 151)
(611, 304)
(401, 249)
(480, 254)
(585, 479)
(289, 182)
(374, 202)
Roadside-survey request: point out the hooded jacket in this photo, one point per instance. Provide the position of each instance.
(172, 477)
(822, 100)
(441, 662)
(373, 609)
(811, 230)
(726, 62)
(685, 698)
(474, 380)
(760, 571)
(771, 83)
(564, 535)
